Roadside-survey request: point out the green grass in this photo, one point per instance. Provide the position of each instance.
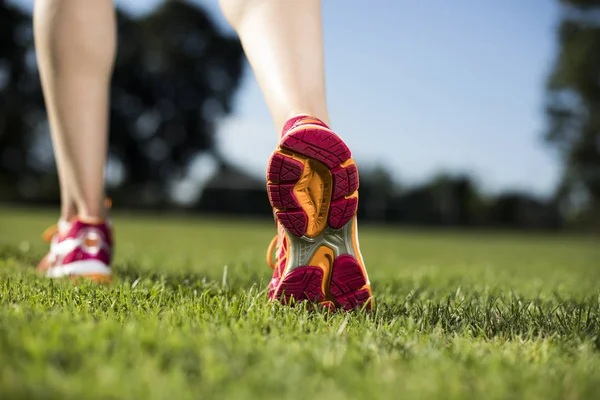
(459, 316)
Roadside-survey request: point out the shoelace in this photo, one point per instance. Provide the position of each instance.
(270, 251)
(49, 233)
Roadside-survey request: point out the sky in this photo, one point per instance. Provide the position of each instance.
(422, 87)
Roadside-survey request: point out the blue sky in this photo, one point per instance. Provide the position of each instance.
(426, 86)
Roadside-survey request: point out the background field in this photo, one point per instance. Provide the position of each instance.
(459, 315)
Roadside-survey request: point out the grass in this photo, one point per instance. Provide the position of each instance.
(459, 316)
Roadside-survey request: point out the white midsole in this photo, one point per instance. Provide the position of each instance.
(83, 267)
(303, 248)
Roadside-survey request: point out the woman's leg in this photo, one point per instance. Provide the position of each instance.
(283, 41)
(75, 43)
(312, 179)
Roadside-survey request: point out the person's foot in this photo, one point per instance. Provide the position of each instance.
(312, 183)
(79, 249)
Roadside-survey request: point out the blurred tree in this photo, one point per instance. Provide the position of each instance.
(21, 105)
(174, 79)
(573, 105)
(445, 200)
(456, 199)
(377, 188)
(523, 211)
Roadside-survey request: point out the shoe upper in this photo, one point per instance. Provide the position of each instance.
(280, 244)
(82, 240)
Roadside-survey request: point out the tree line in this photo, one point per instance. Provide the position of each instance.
(176, 76)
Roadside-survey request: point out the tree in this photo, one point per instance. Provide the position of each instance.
(444, 200)
(523, 211)
(377, 188)
(174, 79)
(21, 104)
(573, 103)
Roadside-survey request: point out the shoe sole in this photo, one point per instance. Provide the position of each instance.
(312, 183)
(92, 270)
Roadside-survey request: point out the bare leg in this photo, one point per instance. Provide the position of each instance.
(312, 180)
(75, 43)
(283, 42)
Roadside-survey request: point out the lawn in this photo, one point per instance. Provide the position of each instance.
(459, 315)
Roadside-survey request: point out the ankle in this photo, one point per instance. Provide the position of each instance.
(92, 216)
(68, 212)
(90, 219)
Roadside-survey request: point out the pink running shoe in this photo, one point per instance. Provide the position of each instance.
(312, 183)
(81, 249)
